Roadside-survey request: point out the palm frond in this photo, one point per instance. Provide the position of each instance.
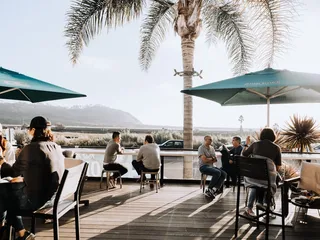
(228, 23)
(272, 23)
(87, 17)
(153, 30)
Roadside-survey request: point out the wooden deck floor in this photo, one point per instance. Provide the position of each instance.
(177, 212)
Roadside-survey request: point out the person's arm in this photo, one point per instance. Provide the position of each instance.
(207, 159)
(247, 151)
(119, 149)
(20, 164)
(204, 158)
(278, 160)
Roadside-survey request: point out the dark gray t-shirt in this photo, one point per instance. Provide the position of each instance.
(208, 152)
(265, 148)
(111, 152)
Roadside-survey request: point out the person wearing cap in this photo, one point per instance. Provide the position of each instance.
(7, 149)
(40, 165)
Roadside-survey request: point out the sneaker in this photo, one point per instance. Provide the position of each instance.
(219, 191)
(27, 236)
(209, 193)
(249, 213)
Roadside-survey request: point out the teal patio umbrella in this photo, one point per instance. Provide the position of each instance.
(17, 86)
(269, 86)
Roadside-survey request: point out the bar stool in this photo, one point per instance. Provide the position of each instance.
(203, 182)
(156, 181)
(108, 177)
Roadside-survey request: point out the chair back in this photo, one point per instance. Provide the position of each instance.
(71, 162)
(71, 182)
(310, 177)
(252, 167)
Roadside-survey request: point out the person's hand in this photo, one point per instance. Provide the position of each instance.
(248, 140)
(230, 161)
(17, 179)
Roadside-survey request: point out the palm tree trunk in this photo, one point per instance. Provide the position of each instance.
(187, 46)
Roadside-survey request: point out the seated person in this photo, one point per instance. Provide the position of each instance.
(7, 150)
(148, 158)
(229, 167)
(264, 148)
(5, 171)
(41, 164)
(207, 157)
(109, 163)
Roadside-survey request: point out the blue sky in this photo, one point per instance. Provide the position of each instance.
(32, 42)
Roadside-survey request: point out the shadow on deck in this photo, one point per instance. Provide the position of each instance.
(177, 212)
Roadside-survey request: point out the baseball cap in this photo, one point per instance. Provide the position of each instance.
(39, 122)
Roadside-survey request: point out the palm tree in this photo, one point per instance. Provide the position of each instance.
(241, 119)
(248, 28)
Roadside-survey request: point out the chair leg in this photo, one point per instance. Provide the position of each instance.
(268, 217)
(55, 228)
(141, 180)
(101, 179)
(157, 178)
(11, 233)
(120, 180)
(159, 185)
(108, 179)
(237, 213)
(203, 179)
(33, 224)
(76, 222)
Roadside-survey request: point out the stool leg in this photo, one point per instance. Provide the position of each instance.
(101, 179)
(141, 181)
(108, 178)
(157, 178)
(120, 179)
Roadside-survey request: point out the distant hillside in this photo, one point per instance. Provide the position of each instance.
(93, 115)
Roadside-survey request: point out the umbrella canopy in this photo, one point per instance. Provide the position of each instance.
(262, 87)
(17, 86)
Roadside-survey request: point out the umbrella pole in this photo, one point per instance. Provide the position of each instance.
(268, 112)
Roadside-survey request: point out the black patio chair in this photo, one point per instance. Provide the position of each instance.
(257, 168)
(301, 197)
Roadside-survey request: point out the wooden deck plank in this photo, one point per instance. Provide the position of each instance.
(177, 212)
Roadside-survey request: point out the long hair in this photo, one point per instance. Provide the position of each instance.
(42, 135)
(2, 143)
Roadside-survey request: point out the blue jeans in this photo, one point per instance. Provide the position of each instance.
(255, 194)
(217, 175)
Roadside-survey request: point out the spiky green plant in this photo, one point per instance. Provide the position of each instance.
(300, 133)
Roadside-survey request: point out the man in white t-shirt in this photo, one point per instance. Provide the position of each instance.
(148, 158)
